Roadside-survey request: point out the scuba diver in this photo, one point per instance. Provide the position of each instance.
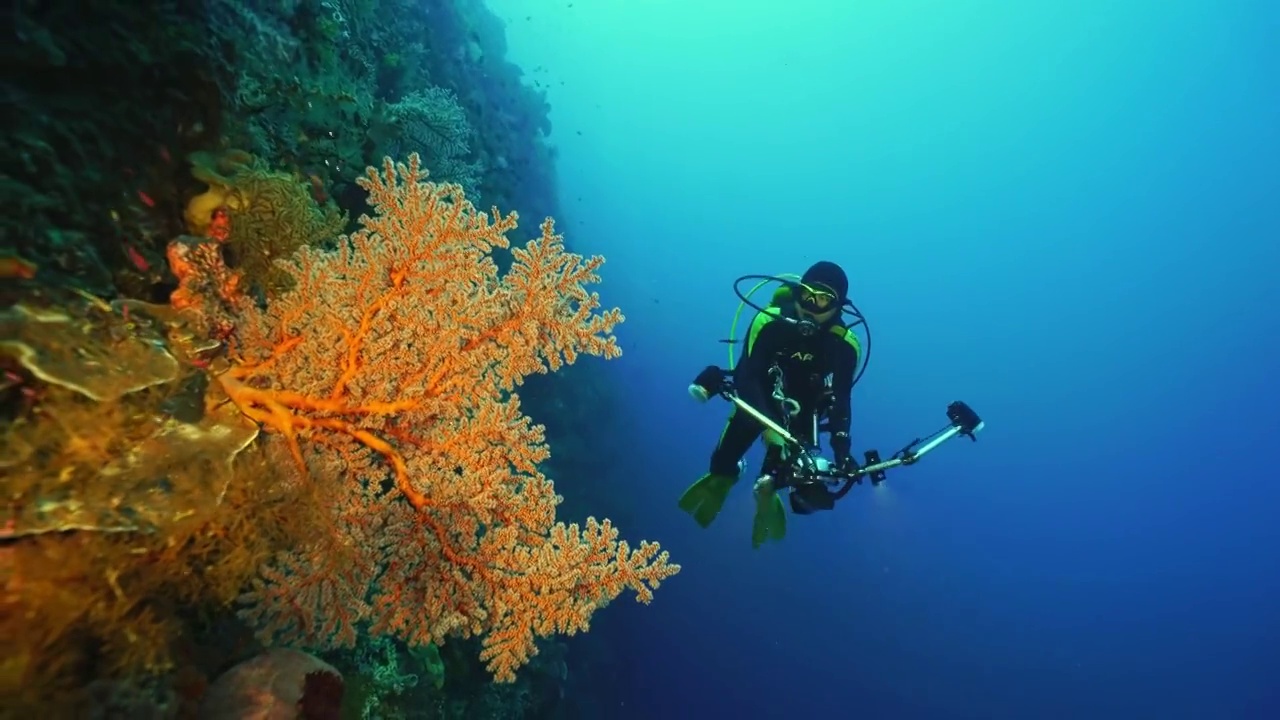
(798, 367)
(798, 360)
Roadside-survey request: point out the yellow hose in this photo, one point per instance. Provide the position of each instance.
(733, 328)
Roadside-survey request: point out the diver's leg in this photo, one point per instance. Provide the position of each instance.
(735, 440)
(706, 496)
(770, 522)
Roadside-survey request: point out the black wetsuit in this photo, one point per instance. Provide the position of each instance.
(805, 362)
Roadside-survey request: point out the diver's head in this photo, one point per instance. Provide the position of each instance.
(822, 292)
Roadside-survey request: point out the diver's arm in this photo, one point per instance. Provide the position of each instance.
(838, 419)
(751, 377)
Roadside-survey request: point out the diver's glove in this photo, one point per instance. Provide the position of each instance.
(841, 449)
(846, 464)
(711, 381)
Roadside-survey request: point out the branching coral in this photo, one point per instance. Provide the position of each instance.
(388, 373)
(269, 215)
(432, 123)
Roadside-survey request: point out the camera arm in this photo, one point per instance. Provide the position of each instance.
(963, 421)
(718, 381)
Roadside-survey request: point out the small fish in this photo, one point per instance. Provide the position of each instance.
(12, 266)
(136, 258)
(146, 199)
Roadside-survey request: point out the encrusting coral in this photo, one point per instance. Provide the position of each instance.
(69, 346)
(134, 496)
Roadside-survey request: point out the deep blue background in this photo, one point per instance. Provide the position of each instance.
(1064, 213)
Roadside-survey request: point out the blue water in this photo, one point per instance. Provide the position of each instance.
(1064, 213)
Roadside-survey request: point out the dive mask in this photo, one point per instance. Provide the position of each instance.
(815, 300)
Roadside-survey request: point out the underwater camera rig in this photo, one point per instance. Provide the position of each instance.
(807, 473)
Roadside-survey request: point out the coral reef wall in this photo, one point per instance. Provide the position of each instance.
(108, 101)
(188, 193)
